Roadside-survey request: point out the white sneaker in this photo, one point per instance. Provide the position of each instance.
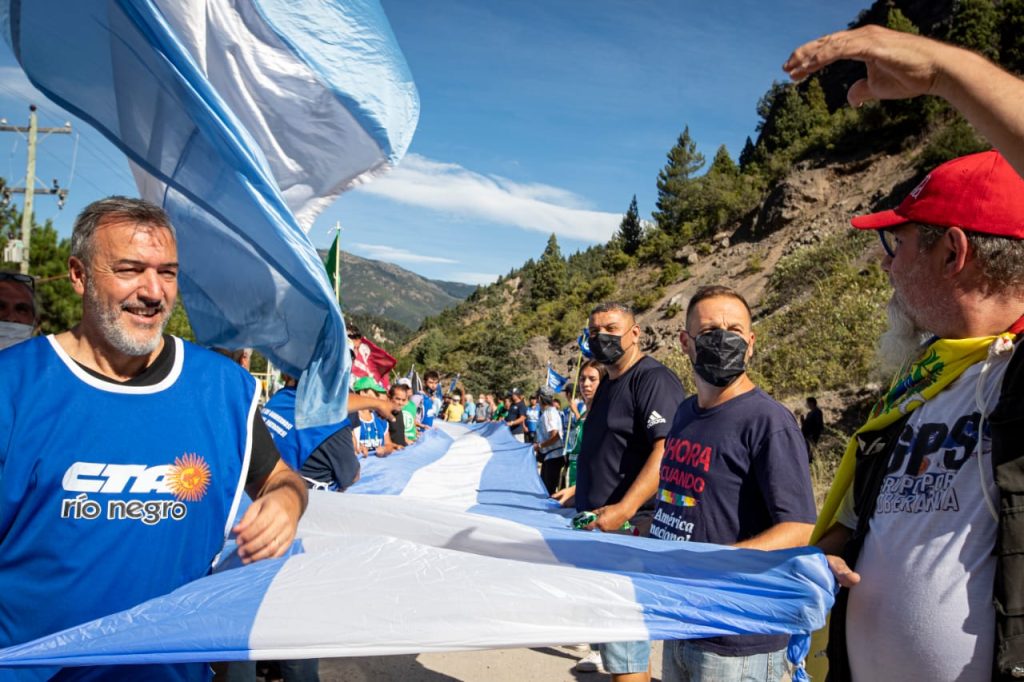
(591, 663)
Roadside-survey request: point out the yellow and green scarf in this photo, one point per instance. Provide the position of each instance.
(941, 363)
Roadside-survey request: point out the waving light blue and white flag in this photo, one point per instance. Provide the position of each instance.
(243, 120)
(454, 544)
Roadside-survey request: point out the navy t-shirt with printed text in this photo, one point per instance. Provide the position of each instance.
(627, 416)
(729, 473)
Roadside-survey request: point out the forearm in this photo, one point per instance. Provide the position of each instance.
(834, 540)
(364, 402)
(988, 97)
(646, 483)
(285, 482)
(780, 536)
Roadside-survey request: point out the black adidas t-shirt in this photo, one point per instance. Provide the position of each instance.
(264, 453)
(627, 416)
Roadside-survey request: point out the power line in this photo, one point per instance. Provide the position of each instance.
(19, 250)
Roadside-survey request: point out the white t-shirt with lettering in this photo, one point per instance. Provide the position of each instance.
(923, 608)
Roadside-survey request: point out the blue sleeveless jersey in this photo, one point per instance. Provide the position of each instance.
(111, 495)
(371, 433)
(428, 410)
(295, 445)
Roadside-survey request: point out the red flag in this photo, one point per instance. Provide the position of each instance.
(372, 361)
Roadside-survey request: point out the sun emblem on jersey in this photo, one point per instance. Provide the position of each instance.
(189, 477)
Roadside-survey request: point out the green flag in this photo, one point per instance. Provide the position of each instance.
(333, 266)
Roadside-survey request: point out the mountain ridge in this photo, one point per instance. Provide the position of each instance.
(383, 289)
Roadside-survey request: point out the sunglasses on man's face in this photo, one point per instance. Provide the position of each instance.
(27, 280)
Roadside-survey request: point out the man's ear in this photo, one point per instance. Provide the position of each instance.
(957, 251)
(77, 275)
(750, 347)
(684, 341)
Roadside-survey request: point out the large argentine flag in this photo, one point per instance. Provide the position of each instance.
(452, 544)
(243, 119)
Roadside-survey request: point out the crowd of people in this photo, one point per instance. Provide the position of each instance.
(131, 447)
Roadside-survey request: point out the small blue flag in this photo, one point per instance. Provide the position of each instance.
(556, 382)
(584, 343)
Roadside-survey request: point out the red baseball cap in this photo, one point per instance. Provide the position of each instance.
(978, 193)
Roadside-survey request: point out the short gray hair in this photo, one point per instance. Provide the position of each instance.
(128, 209)
(1000, 259)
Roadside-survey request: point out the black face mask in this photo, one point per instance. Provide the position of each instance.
(606, 348)
(721, 357)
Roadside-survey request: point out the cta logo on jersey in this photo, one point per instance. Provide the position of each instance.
(187, 479)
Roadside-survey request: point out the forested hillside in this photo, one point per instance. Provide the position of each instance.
(772, 222)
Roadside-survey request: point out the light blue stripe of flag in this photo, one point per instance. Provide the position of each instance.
(404, 573)
(243, 120)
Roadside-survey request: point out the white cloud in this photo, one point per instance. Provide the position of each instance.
(449, 187)
(473, 277)
(395, 255)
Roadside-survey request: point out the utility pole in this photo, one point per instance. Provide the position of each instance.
(30, 189)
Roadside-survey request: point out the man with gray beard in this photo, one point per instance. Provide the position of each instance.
(924, 536)
(125, 451)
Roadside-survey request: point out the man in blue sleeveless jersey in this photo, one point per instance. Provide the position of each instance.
(126, 451)
(428, 401)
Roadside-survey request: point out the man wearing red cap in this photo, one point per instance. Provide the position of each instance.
(925, 523)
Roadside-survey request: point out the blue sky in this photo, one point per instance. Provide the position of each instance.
(536, 117)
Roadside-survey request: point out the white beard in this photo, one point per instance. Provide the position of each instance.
(109, 320)
(902, 343)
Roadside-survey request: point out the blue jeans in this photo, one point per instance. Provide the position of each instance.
(684, 661)
(620, 658)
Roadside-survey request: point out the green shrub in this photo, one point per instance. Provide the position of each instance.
(826, 339)
(601, 288)
(670, 273)
(646, 300)
(657, 247)
(617, 261)
(755, 262)
(957, 138)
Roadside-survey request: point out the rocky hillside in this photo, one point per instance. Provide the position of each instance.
(773, 224)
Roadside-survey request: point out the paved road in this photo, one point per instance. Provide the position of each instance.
(550, 664)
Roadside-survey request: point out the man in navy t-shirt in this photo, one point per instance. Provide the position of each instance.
(735, 473)
(617, 468)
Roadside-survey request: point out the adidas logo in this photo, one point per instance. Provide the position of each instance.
(655, 419)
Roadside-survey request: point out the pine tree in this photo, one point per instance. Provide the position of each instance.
(898, 21)
(748, 153)
(1011, 43)
(674, 183)
(550, 276)
(975, 25)
(723, 164)
(630, 230)
(787, 117)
